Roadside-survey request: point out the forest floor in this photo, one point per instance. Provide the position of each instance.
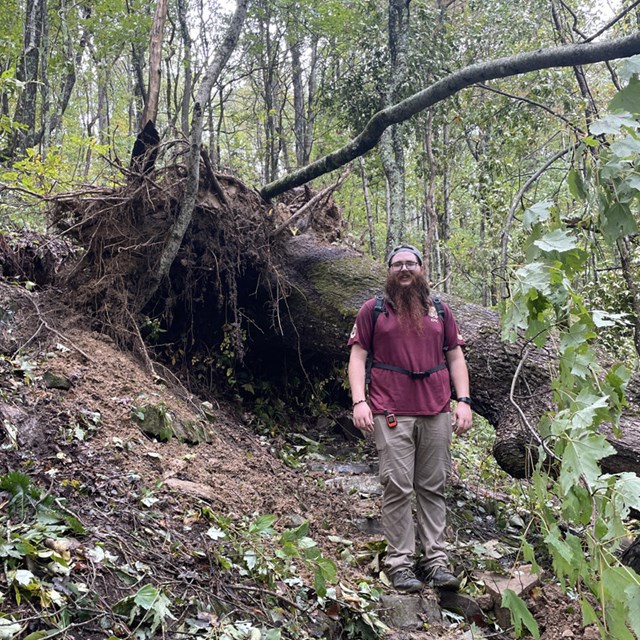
(164, 513)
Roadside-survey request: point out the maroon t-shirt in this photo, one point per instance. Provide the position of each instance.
(397, 392)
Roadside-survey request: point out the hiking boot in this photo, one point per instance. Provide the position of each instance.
(442, 578)
(405, 580)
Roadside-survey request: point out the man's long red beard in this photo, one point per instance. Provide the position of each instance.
(410, 301)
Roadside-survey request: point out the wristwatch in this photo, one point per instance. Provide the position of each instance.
(465, 399)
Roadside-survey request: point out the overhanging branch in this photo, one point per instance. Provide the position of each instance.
(565, 56)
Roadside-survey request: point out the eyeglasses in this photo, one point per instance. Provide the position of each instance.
(410, 265)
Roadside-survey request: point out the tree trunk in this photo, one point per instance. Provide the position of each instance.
(391, 145)
(431, 218)
(155, 63)
(28, 73)
(298, 104)
(367, 206)
(186, 41)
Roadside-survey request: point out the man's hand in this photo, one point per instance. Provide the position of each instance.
(362, 417)
(462, 418)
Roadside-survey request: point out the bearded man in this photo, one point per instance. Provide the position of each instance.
(417, 355)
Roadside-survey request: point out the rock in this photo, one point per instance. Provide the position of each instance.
(521, 580)
(191, 432)
(192, 488)
(369, 525)
(56, 381)
(367, 485)
(463, 605)
(402, 611)
(155, 421)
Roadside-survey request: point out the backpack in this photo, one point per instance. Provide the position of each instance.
(378, 308)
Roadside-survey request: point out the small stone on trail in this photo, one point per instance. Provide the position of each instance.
(56, 381)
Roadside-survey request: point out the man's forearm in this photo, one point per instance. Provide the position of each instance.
(357, 369)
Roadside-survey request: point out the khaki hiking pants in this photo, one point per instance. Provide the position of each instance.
(414, 456)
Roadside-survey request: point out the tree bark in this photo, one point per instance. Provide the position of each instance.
(28, 72)
(565, 56)
(367, 206)
(186, 41)
(391, 144)
(155, 63)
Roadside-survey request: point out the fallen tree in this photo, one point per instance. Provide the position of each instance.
(264, 302)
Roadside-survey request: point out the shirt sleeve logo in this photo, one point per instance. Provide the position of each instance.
(354, 332)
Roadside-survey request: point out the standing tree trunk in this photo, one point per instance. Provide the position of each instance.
(391, 145)
(186, 41)
(444, 268)
(150, 111)
(28, 73)
(431, 218)
(298, 103)
(367, 205)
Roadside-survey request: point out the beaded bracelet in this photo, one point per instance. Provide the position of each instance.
(357, 402)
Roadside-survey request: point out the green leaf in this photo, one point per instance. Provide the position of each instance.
(576, 185)
(626, 493)
(568, 555)
(529, 554)
(263, 525)
(606, 319)
(251, 559)
(630, 67)
(320, 584)
(628, 99)
(291, 535)
(576, 336)
(9, 629)
(612, 124)
(215, 533)
(589, 616)
(538, 212)
(558, 240)
(626, 148)
(632, 594)
(617, 221)
(23, 577)
(146, 596)
(520, 614)
(581, 457)
(533, 276)
(633, 181)
(38, 635)
(328, 569)
(586, 406)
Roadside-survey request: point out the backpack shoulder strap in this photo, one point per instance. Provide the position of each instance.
(438, 304)
(378, 308)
